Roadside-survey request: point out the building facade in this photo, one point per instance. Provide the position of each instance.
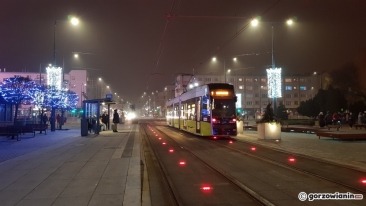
(251, 90)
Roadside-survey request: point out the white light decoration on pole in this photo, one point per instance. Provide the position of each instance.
(274, 82)
(54, 76)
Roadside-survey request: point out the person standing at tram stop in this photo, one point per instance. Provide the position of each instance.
(115, 120)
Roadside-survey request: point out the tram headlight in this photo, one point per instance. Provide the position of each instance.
(131, 116)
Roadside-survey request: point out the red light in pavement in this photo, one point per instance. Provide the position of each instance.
(159, 138)
(230, 142)
(363, 181)
(213, 120)
(206, 188)
(214, 137)
(253, 148)
(291, 159)
(171, 150)
(164, 143)
(182, 163)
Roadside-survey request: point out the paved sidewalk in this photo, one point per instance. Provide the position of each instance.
(351, 153)
(63, 168)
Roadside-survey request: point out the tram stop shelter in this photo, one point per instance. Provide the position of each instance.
(91, 115)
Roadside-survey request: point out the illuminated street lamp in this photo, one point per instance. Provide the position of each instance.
(74, 22)
(214, 59)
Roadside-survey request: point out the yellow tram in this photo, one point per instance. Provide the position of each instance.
(207, 110)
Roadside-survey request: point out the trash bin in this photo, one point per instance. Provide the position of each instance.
(84, 127)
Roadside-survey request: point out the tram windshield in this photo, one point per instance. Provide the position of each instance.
(224, 108)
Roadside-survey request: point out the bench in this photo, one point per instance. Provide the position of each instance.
(337, 126)
(10, 131)
(359, 126)
(27, 129)
(39, 127)
(341, 136)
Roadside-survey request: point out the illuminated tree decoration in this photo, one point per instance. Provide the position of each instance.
(55, 98)
(54, 77)
(72, 100)
(38, 93)
(16, 90)
(274, 83)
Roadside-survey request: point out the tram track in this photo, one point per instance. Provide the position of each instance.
(328, 177)
(287, 166)
(174, 193)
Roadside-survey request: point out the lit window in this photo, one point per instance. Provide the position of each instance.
(288, 88)
(302, 88)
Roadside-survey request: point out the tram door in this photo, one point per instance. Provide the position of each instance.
(198, 115)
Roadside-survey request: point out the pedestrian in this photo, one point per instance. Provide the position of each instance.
(58, 121)
(350, 119)
(105, 119)
(359, 118)
(328, 118)
(44, 119)
(115, 120)
(321, 119)
(103, 126)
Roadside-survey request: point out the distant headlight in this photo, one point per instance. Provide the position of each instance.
(131, 116)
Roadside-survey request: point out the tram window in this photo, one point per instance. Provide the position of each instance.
(185, 110)
(198, 111)
(193, 112)
(189, 111)
(223, 108)
(182, 112)
(205, 110)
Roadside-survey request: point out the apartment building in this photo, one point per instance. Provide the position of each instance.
(252, 90)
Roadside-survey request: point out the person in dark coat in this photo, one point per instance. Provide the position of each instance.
(321, 119)
(44, 118)
(105, 119)
(115, 120)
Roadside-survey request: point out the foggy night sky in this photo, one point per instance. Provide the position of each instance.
(124, 40)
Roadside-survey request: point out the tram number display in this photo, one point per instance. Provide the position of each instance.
(221, 93)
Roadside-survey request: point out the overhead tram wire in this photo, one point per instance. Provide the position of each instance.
(218, 49)
(161, 43)
(223, 45)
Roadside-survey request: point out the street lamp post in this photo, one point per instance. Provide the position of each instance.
(274, 74)
(214, 59)
(74, 21)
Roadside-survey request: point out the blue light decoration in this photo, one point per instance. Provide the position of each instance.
(38, 94)
(16, 90)
(274, 82)
(71, 100)
(59, 99)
